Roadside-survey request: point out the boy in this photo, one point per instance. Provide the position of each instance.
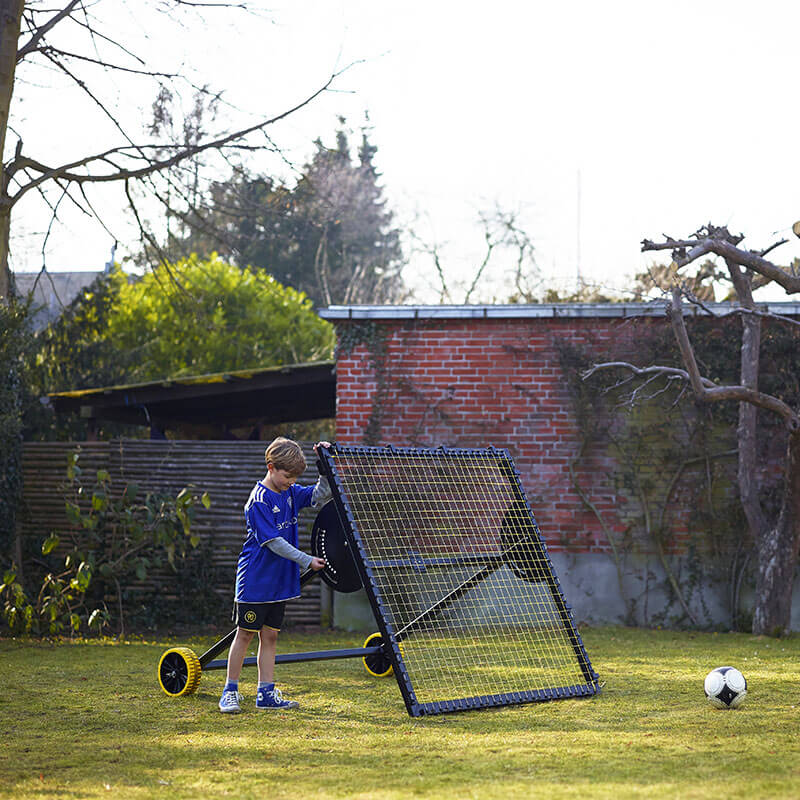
(268, 573)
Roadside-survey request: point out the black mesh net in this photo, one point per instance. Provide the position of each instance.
(460, 576)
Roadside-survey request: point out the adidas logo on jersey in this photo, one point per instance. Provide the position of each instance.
(276, 510)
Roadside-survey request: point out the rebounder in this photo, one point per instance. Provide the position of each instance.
(469, 609)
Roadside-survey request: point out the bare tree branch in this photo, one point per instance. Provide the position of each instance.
(705, 390)
(675, 313)
(66, 172)
(718, 393)
(84, 88)
(433, 251)
(640, 371)
(39, 33)
(190, 4)
(772, 247)
(721, 242)
(50, 50)
(97, 34)
(490, 245)
(738, 310)
(764, 315)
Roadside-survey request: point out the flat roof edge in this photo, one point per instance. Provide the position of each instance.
(543, 310)
(197, 380)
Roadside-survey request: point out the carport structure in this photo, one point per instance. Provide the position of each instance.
(219, 402)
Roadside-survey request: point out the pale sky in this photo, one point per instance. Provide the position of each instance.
(668, 116)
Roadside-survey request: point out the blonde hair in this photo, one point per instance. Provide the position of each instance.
(286, 454)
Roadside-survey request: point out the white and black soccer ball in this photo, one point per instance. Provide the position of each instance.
(725, 687)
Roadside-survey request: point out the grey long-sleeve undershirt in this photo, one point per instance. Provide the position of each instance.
(282, 548)
(322, 491)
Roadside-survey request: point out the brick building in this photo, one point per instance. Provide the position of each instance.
(475, 376)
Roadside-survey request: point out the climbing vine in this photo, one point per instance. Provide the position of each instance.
(375, 338)
(669, 455)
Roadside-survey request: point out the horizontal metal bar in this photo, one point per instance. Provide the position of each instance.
(226, 640)
(314, 655)
(509, 698)
(420, 563)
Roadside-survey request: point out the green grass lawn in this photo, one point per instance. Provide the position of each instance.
(88, 719)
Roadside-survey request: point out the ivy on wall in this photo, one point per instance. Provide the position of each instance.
(375, 338)
(674, 471)
(668, 463)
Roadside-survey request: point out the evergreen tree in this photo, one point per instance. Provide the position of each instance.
(330, 236)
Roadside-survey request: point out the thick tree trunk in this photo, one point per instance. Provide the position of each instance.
(778, 551)
(5, 272)
(10, 22)
(768, 615)
(777, 544)
(746, 433)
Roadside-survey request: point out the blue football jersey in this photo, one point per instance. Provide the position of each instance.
(261, 575)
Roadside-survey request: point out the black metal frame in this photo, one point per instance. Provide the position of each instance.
(564, 610)
(392, 638)
(208, 662)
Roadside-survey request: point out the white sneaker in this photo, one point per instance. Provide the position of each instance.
(229, 702)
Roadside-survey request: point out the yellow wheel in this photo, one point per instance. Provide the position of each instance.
(179, 671)
(377, 664)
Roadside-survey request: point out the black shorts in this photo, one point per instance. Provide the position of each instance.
(255, 616)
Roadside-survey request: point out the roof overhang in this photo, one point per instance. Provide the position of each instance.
(540, 311)
(273, 395)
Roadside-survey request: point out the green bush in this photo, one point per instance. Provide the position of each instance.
(110, 540)
(205, 316)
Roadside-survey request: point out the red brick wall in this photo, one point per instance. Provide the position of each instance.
(480, 382)
(476, 383)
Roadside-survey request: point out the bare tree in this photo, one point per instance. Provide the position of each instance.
(502, 232)
(29, 32)
(776, 536)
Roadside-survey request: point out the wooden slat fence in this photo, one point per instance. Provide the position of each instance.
(226, 470)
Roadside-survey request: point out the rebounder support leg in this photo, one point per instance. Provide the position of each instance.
(207, 661)
(294, 658)
(227, 639)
